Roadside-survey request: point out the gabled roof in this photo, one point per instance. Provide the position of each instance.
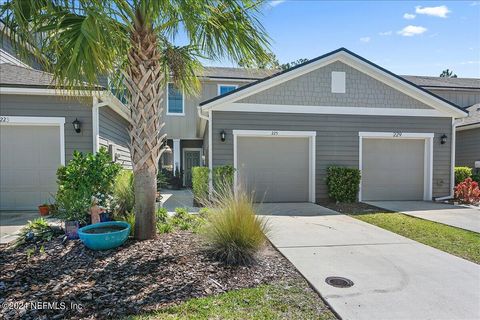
(350, 58)
(440, 82)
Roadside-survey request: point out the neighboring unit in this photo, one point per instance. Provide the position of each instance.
(282, 132)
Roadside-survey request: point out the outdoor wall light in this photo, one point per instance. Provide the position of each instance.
(223, 135)
(443, 139)
(77, 125)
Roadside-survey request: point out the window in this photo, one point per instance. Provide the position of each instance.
(174, 101)
(225, 88)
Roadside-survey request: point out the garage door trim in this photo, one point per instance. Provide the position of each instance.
(280, 134)
(428, 155)
(39, 121)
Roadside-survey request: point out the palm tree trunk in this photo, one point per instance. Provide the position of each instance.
(144, 80)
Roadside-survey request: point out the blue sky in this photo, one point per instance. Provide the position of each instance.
(406, 37)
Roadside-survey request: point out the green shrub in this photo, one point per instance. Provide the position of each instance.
(462, 173)
(200, 182)
(123, 192)
(83, 177)
(162, 180)
(343, 183)
(233, 232)
(36, 231)
(223, 175)
(164, 228)
(130, 219)
(476, 177)
(161, 215)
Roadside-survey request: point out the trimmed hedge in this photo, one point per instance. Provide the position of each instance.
(462, 173)
(200, 182)
(343, 183)
(223, 175)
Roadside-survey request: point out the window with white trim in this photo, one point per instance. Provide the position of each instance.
(225, 88)
(175, 101)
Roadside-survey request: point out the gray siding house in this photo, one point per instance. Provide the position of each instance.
(283, 129)
(282, 132)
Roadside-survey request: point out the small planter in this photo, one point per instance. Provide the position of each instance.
(104, 235)
(44, 210)
(71, 229)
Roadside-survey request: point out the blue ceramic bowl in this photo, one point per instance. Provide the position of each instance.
(104, 235)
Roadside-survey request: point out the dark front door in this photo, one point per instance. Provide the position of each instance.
(192, 159)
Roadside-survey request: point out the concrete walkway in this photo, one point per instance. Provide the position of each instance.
(394, 277)
(182, 198)
(467, 218)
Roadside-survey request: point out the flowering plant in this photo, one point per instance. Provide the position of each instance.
(467, 191)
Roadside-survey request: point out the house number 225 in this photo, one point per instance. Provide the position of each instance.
(274, 133)
(397, 134)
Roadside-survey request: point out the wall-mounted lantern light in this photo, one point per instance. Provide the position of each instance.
(77, 125)
(443, 139)
(223, 135)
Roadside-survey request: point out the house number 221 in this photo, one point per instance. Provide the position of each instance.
(397, 134)
(274, 133)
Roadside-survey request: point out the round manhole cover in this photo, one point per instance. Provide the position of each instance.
(339, 282)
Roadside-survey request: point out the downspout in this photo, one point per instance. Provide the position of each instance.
(96, 123)
(452, 161)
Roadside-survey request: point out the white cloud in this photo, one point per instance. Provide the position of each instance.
(275, 3)
(440, 11)
(386, 33)
(365, 39)
(409, 16)
(410, 31)
(471, 62)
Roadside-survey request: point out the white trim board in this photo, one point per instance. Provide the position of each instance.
(354, 62)
(276, 108)
(311, 135)
(463, 127)
(183, 158)
(427, 158)
(39, 121)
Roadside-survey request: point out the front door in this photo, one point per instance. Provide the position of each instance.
(192, 159)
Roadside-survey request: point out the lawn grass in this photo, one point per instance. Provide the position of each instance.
(456, 241)
(274, 301)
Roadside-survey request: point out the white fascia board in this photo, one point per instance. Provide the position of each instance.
(354, 62)
(274, 108)
(468, 126)
(393, 135)
(273, 133)
(46, 92)
(116, 105)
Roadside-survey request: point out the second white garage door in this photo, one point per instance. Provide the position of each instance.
(29, 158)
(393, 169)
(276, 169)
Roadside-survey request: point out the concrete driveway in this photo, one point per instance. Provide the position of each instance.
(467, 218)
(394, 277)
(12, 221)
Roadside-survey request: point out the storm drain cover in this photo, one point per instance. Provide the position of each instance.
(339, 282)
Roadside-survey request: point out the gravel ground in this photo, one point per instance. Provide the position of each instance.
(73, 282)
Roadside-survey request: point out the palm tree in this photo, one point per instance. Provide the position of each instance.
(78, 40)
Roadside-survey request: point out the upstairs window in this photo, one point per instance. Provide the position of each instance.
(225, 88)
(175, 101)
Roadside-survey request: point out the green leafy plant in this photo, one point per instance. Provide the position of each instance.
(164, 228)
(462, 173)
(85, 176)
(161, 215)
(476, 176)
(222, 175)
(130, 219)
(162, 180)
(200, 182)
(233, 231)
(35, 231)
(123, 192)
(343, 183)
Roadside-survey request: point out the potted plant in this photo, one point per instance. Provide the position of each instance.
(44, 209)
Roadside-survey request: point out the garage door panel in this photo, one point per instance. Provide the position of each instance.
(275, 168)
(392, 169)
(29, 158)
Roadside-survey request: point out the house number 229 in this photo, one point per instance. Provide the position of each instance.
(274, 133)
(397, 134)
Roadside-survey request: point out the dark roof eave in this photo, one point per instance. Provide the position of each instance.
(324, 56)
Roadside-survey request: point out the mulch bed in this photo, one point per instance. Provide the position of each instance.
(135, 278)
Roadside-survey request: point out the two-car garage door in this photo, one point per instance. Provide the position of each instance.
(29, 158)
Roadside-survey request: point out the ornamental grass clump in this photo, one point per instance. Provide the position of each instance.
(233, 232)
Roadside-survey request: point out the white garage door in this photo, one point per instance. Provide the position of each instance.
(29, 158)
(276, 169)
(393, 169)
